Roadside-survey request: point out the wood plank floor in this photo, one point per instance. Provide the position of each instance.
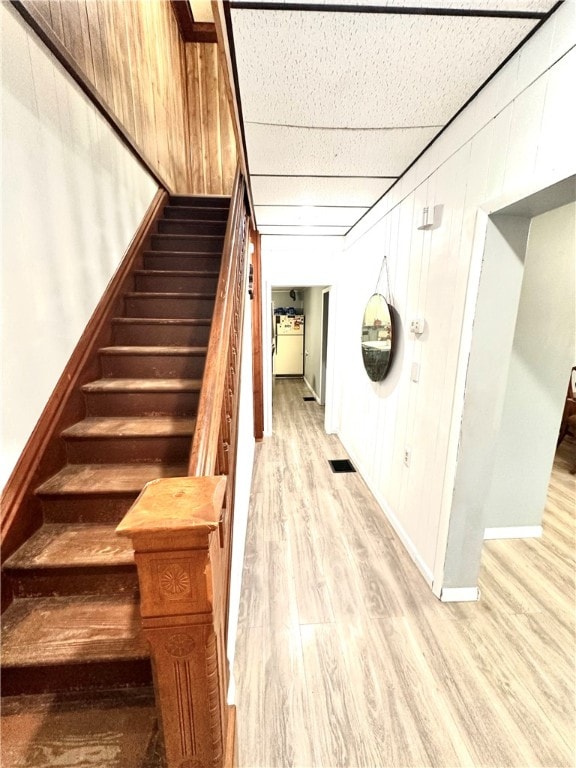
(344, 656)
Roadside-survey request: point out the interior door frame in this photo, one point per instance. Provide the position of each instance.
(331, 406)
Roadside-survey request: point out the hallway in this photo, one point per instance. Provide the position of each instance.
(344, 656)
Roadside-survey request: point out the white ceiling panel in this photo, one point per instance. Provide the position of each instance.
(365, 70)
(532, 6)
(303, 215)
(296, 151)
(302, 190)
(287, 230)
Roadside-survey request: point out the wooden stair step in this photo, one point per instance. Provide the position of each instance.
(142, 397)
(126, 428)
(170, 305)
(162, 259)
(143, 385)
(205, 201)
(188, 243)
(104, 729)
(110, 479)
(197, 226)
(157, 280)
(159, 362)
(66, 546)
(72, 642)
(140, 331)
(119, 439)
(213, 213)
(153, 350)
(73, 559)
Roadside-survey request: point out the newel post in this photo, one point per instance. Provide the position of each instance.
(174, 527)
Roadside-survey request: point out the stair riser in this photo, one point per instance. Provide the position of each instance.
(196, 212)
(152, 366)
(191, 227)
(172, 450)
(202, 243)
(76, 677)
(187, 261)
(60, 582)
(176, 283)
(199, 202)
(141, 334)
(161, 307)
(141, 403)
(86, 509)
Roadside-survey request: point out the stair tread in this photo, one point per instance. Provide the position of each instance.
(71, 630)
(72, 546)
(178, 272)
(143, 385)
(80, 479)
(135, 426)
(170, 295)
(187, 254)
(151, 350)
(112, 728)
(161, 320)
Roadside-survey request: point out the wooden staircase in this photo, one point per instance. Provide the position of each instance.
(74, 623)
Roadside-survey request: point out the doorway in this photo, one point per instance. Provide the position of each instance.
(521, 353)
(324, 343)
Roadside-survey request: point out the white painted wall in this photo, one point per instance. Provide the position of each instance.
(72, 198)
(543, 354)
(515, 138)
(313, 339)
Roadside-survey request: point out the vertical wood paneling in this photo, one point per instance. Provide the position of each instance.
(169, 96)
(212, 139)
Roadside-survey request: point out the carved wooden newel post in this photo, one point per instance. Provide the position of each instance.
(174, 527)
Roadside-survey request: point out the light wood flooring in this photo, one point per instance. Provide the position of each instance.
(344, 656)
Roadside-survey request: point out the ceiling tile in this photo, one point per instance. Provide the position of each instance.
(302, 215)
(294, 151)
(310, 190)
(363, 70)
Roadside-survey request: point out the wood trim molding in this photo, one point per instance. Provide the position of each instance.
(230, 752)
(271, 5)
(257, 352)
(43, 454)
(192, 31)
(36, 21)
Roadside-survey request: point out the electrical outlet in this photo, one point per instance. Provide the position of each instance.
(417, 326)
(407, 454)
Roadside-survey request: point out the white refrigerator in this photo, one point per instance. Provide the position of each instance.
(289, 357)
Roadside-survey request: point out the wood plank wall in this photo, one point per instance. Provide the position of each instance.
(168, 95)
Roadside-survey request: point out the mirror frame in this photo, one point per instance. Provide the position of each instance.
(376, 369)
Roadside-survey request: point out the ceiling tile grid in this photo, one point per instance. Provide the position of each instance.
(337, 104)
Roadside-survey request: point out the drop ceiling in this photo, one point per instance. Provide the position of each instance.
(337, 101)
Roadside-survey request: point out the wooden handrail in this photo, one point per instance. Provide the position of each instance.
(207, 438)
(181, 530)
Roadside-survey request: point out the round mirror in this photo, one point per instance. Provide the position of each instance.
(377, 337)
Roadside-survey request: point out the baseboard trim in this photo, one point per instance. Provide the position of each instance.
(43, 454)
(311, 388)
(460, 594)
(393, 520)
(514, 532)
